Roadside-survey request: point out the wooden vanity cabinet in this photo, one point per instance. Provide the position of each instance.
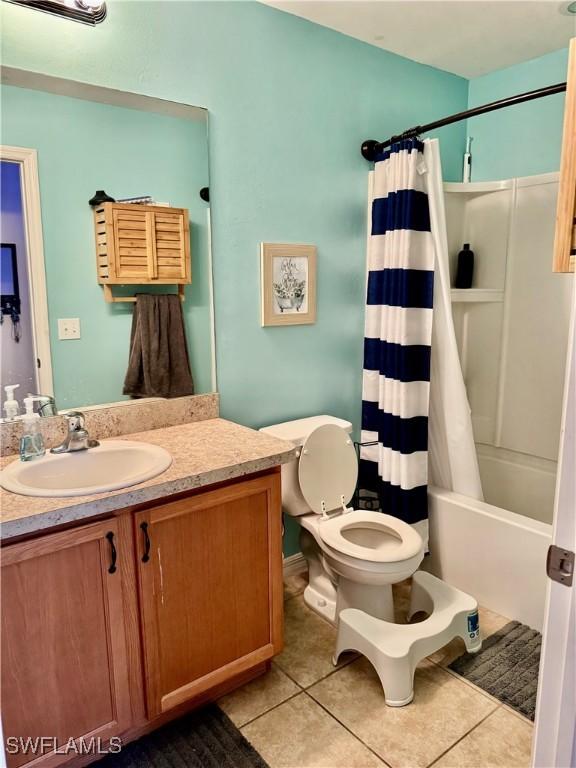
(210, 584)
(193, 605)
(64, 657)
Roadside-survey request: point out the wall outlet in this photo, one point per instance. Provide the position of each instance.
(68, 327)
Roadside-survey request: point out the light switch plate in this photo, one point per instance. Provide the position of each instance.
(68, 327)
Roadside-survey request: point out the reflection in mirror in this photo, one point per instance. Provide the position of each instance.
(64, 335)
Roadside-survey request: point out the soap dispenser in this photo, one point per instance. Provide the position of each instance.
(11, 407)
(31, 442)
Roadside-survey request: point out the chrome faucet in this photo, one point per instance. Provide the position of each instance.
(77, 438)
(46, 405)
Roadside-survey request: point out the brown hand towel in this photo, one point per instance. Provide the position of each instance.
(158, 364)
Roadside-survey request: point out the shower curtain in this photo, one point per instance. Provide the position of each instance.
(453, 461)
(403, 349)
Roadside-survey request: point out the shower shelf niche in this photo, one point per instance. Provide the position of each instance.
(477, 187)
(477, 295)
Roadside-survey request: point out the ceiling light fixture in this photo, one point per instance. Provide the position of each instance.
(90, 12)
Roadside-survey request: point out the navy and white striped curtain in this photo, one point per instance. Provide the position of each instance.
(398, 333)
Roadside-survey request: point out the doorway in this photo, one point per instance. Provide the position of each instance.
(24, 330)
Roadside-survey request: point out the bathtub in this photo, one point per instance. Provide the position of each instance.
(494, 554)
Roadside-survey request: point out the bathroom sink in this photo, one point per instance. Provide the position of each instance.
(114, 464)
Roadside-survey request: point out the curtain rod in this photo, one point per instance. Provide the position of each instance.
(371, 148)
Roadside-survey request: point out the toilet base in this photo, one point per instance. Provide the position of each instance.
(375, 600)
(401, 703)
(320, 604)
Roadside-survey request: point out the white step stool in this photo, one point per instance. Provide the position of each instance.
(395, 649)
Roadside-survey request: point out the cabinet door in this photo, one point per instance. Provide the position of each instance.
(133, 243)
(565, 240)
(64, 662)
(211, 590)
(172, 245)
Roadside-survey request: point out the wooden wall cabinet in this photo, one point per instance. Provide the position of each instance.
(84, 655)
(142, 244)
(565, 239)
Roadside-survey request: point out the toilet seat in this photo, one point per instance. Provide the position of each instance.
(371, 536)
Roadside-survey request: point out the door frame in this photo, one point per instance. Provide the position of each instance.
(555, 725)
(27, 159)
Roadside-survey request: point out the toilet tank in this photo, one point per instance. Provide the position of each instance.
(293, 503)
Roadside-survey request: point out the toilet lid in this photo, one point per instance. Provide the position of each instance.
(328, 468)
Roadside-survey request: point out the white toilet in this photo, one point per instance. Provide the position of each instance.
(354, 556)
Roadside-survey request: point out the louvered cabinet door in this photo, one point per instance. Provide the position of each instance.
(565, 240)
(142, 244)
(133, 244)
(172, 246)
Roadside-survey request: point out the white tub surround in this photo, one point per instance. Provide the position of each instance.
(514, 374)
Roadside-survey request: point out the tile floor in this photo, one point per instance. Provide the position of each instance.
(306, 713)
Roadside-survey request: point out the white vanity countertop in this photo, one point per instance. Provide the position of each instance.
(203, 453)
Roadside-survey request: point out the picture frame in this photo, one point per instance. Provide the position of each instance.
(288, 284)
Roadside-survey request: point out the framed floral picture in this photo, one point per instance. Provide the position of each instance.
(288, 282)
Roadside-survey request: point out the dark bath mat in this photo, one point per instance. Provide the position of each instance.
(506, 667)
(206, 738)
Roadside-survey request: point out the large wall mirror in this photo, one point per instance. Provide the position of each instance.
(61, 142)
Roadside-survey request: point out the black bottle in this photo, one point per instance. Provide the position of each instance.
(465, 269)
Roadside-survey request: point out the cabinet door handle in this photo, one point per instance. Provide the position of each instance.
(146, 555)
(113, 552)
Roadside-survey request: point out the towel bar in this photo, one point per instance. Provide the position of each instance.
(111, 299)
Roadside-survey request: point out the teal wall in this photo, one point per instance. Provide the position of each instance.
(290, 103)
(521, 140)
(83, 146)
